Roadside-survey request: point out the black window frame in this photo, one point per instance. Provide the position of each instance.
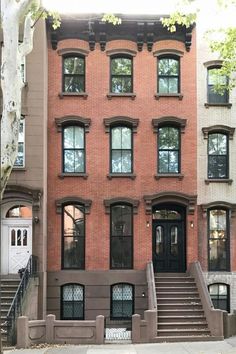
(218, 156)
(112, 302)
(169, 150)
(215, 94)
(73, 55)
(62, 301)
(177, 58)
(82, 266)
(215, 301)
(131, 149)
(131, 76)
(74, 149)
(216, 268)
(131, 237)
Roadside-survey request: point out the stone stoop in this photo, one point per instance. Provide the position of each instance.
(8, 290)
(181, 317)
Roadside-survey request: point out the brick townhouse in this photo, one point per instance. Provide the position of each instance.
(122, 162)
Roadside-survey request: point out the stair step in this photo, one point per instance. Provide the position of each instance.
(174, 279)
(173, 300)
(185, 275)
(183, 331)
(182, 325)
(180, 312)
(186, 318)
(177, 294)
(179, 306)
(177, 284)
(176, 289)
(185, 338)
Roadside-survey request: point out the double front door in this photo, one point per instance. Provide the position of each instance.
(169, 244)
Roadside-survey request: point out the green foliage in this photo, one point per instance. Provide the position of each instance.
(111, 18)
(178, 19)
(40, 12)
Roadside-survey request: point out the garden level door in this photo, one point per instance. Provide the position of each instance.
(169, 242)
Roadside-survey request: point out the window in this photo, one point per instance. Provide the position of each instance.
(168, 75)
(19, 211)
(73, 149)
(218, 245)
(73, 74)
(121, 75)
(20, 159)
(73, 237)
(217, 155)
(219, 294)
(122, 303)
(121, 150)
(214, 78)
(121, 244)
(168, 150)
(72, 301)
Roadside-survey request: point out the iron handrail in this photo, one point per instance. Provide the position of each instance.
(15, 309)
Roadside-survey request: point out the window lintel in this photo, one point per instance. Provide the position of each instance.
(175, 121)
(168, 52)
(72, 51)
(72, 120)
(224, 129)
(219, 205)
(213, 64)
(121, 52)
(73, 200)
(131, 122)
(119, 200)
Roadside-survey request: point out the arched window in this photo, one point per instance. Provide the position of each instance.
(219, 294)
(73, 149)
(73, 73)
(19, 211)
(121, 74)
(218, 240)
(218, 155)
(168, 75)
(168, 149)
(72, 302)
(73, 237)
(121, 149)
(122, 301)
(214, 78)
(121, 244)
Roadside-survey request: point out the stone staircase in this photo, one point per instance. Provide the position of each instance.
(179, 309)
(8, 291)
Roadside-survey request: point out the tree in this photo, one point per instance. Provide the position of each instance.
(222, 41)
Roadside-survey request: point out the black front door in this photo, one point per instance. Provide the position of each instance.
(168, 244)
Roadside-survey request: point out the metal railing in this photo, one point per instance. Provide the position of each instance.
(117, 330)
(15, 309)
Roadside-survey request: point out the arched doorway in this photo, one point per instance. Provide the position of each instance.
(16, 237)
(169, 238)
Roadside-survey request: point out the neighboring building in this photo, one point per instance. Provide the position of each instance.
(23, 208)
(216, 180)
(122, 162)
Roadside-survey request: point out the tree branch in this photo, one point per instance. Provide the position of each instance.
(23, 6)
(27, 45)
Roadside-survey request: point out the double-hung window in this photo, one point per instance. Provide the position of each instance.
(20, 159)
(73, 149)
(214, 78)
(73, 238)
(168, 150)
(73, 74)
(121, 75)
(122, 301)
(218, 240)
(121, 150)
(218, 156)
(168, 75)
(72, 302)
(219, 294)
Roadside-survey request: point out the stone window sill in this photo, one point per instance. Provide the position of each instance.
(111, 95)
(84, 95)
(169, 95)
(219, 180)
(20, 169)
(121, 175)
(180, 176)
(63, 175)
(228, 105)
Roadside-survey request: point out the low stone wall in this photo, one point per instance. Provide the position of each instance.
(229, 324)
(144, 331)
(58, 331)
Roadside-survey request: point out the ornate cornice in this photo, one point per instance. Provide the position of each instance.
(73, 200)
(121, 200)
(219, 205)
(189, 201)
(23, 193)
(72, 120)
(218, 129)
(132, 122)
(158, 122)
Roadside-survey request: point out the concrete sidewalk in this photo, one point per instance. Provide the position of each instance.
(227, 346)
